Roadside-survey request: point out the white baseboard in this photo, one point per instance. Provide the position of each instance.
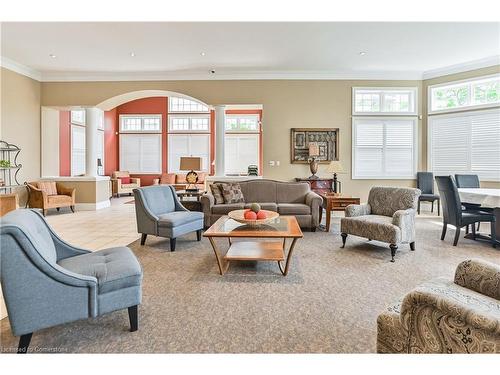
(92, 206)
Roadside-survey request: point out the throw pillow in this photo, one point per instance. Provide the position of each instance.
(216, 192)
(125, 180)
(232, 192)
(49, 187)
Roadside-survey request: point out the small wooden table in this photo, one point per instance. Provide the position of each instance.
(334, 202)
(190, 199)
(282, 227)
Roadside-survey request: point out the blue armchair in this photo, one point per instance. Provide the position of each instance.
(47, 282)
(160, 213)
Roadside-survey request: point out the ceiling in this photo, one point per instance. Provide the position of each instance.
(170, 50)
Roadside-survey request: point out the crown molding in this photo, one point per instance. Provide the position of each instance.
(20, 68)
(463, 67)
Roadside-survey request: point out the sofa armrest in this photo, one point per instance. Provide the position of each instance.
(136, 180)
(357, 210)
(207, 202)
(480, 276)
(405, 220)
(37, 198)
(62, 190)
(156, 181)
(314, 201)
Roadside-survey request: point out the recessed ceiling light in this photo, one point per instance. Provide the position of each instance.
(52, 55)
(132, 54)
(362, 53)
(202, 53)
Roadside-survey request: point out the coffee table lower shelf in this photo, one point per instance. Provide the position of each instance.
(254, 250)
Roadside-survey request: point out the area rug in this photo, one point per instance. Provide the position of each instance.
(328, 303)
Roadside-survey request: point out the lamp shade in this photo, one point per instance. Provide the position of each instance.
(335, 167)
(313, 149)
(190, 163)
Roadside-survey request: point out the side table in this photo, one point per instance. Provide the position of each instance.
(190, 199)
(334, 202)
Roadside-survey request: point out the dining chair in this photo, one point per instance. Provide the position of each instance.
(453, 213)
(425, 182)
(469, 181)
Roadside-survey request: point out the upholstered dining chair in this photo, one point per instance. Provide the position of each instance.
(468, 181)
(47, 282)
(389, 216)
(425, 182)
(454, 214)
(160, 213)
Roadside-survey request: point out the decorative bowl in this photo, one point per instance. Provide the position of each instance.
(238, 216)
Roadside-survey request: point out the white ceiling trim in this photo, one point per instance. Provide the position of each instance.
(20, 68)
(463, 67)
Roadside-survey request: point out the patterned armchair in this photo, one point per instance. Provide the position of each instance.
(389, 216)
(441, 316)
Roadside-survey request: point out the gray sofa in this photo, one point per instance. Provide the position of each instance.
(47, 282)
(286, 198)
(160, 213)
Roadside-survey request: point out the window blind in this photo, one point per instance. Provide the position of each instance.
(384, 148)
(466, 142)
(187, 145)
(241, 150)
(140, 153)
(77, 150)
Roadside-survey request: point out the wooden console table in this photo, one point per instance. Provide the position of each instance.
(319, 185)
(334, 202)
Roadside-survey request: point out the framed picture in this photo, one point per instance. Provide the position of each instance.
(327, 140)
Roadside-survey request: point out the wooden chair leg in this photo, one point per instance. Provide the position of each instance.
(418, 207)
(172, 244)
(24, 343)
(133, 318)
(393, 247)
(457, 236)
(143, 238)
(438, 204)
(344, 238)
(432, 207)
(443, 233)
(493, 234)
(473, 226)
(198, 235)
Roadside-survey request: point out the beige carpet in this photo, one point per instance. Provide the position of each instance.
(328, 303)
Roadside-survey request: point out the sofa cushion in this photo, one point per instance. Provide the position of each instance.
(49, 187)
(57, 200)
(201, 177)
(259, 191)
(385, 200)
(115, 268)
(180, 179)
(293, 192)
(125, 180)
(294, 209)
(231, 191)
(223, 209)
(375, 227)
(177, 218)
(216, 192)
(167, 179)
(265, 206)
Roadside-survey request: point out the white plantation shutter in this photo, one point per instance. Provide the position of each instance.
(384, 148)
(241, 150)
(140, 153)
(187, 145)
(466, 142)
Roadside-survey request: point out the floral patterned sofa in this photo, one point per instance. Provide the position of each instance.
(444, 316)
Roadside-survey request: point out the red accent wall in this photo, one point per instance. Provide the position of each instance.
(153, 106)
(110, 142)
(64, 143)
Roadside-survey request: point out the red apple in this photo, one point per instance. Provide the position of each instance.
(261, 215)
(250, 215)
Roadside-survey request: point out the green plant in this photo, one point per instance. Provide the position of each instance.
(4, 163)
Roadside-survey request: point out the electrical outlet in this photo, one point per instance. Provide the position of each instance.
(277, 163)
(271, 163)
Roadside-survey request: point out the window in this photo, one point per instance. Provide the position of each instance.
(77, 150)
(188, 145)
(189, 123)
(140, 153)
(384, 148)
(468, 94)
(100, 151)
(78, 117)
(246, 123)
(388, 101)
(465, 143)
(140, 123)
(242, 143)
(185, 105)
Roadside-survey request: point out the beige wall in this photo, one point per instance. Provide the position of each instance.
(444, 79)
(287, 104)
(20, 122)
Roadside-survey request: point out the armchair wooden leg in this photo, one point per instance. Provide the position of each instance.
(344, 238)
(24, 343)
(439, 209)
(412, 246)
(172, 244)
(393, 251)
(432, 207)
(443, 233)
(58, 208)
(72, 208)
(132, 317)
(418, 207)
(457, 236)
(143, 238)
(473, 226)
(198, 235)
(44, 212)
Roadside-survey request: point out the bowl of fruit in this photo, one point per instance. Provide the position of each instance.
(253, 216)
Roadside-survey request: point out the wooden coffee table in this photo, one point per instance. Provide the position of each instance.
(282, 228)
(334, 202)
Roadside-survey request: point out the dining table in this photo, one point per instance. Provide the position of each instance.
(487, 198)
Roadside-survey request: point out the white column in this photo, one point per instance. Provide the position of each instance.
(93, 116)
(220, 132)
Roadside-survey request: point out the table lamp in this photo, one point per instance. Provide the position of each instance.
(335, 167)
(191, 164)
(313, 163)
